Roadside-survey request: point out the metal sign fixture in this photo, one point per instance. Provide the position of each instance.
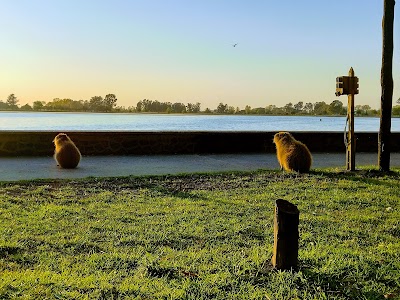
(348, 85)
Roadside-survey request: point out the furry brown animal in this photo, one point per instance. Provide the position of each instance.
(66, 153)
(292, 155)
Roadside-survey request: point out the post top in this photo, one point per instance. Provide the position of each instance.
(286, 206)
(351, 72)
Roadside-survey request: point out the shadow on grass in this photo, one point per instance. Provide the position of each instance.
(367, 176)
(5, 251)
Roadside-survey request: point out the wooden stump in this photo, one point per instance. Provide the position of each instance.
(286, 235)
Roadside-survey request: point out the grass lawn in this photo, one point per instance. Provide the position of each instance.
(203, 236)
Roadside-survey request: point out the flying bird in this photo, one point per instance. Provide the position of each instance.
(234, 45)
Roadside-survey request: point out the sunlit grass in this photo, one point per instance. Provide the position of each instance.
(199, 237)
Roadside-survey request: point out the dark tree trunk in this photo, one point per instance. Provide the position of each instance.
(387, 86)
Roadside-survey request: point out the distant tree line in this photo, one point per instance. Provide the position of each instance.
(167, 107)
(109, 104)
(95, 104)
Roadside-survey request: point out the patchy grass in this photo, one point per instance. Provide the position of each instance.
(204, 236)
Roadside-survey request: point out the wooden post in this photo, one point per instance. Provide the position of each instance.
(348, 85)
(351, 145)
(286, 235)
(386, 86)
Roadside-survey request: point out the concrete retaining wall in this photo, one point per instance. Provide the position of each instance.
(152, 143)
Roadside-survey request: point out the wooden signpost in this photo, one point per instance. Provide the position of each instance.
(348, 85)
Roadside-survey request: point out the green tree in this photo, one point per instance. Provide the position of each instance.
(12, 101)
(63, 105)
(289, 109)
(77, 105)
(3, 105)
(368, 109)
(222, 108)
(178, 107)
(231, 110)
(259, 111)
(308, 108)
(96, 103)
(197, 107)
(130, 109)
(139, 106)
(298, 107)
(270, 109)
(362, 110)
(396, 110)
(321, 108)
(26, 107)
(193, 107)
(335, 108)
(109, 102)
(38, 105)
(247, 109)
(144, 105)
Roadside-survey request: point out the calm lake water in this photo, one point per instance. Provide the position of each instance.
(32, 121)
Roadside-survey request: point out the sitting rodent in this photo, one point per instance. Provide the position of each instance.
(66, 153)
(292, 154)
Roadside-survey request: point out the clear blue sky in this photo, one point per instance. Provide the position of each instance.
(180, 50)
